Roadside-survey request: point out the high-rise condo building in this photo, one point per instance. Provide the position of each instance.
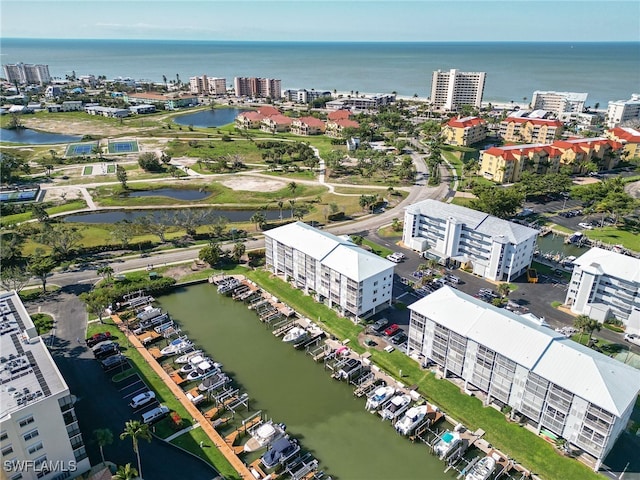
(26, 74)
(621, 112)
(558, 102)
(450, 90)
(258, 87)
(39, 430)
(208, 85)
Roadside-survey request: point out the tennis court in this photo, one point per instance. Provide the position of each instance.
(127, 146)
(77, 149)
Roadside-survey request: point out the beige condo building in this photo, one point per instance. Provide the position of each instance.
(453, 89)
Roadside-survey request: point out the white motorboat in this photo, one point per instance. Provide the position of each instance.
(482, 470)
(411, 419)
(263, 435)
(177, 346)
(193, 362)
(185, 358)
(446, 444)
(213, 382)
(396, 407)
(379, 397)
(204, 370)
(295, 335)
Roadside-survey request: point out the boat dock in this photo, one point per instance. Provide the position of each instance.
(148, 337)
(247, 423)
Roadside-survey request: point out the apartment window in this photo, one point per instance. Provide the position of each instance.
(375, 283)
(17, 476)
(35, 448)
(39, 461)
(26, 421)
(29, 435)
(375, 299)
(3, 436)
(7, 450)
(375, 291)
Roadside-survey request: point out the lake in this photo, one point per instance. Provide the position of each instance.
(26, 135)
(113, 216)
(209, 118)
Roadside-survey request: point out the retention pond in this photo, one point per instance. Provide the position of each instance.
(290, 387)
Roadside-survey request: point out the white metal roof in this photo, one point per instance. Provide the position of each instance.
(474, 220)
(593, 376)
(335, 252)
(610, 263)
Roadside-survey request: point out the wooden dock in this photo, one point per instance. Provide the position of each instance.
(148, 337)
(154, 351)
(196, 414)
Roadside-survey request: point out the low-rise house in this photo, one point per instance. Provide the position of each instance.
(110, 112)
(72, 106)
(530, 130)
(577, 152)
(276, 123)
(336, 128)
(464, 131)
(341, 114)
(247, 120)
(142, 109)
(307, 126)
(629, 138)
(507, 163)
(171, 101)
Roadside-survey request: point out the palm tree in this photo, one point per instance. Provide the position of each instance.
(280, 204)
(238, 251)
(586, 324)
(259, 219)
(292, 202)
(504, 289)
(103, 437)
(293, 186)
(137, 431)
(105, 272)
(126, 472)
(164, 79)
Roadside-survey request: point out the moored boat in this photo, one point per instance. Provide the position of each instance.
(446, 444)
(295, 335)
(185, 358)
(482, 470)
(263, 435)
(204, 370)
(411, 419)
(396, 407)
(177, 346)
(281, 450)
(379, 397)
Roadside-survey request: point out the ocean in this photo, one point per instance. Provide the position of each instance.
(606, 71)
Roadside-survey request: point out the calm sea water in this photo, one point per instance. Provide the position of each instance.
(606, 71)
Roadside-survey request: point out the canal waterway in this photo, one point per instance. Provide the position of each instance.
(290, 387)
(209, 118)
(112, 216)
(554, 244)
(177, 193)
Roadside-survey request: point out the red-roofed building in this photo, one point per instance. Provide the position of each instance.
(335, 128)
(530, 130)
(339, 114)
(249, 120)
(171, 101)
(307, 126)
(506, 164)
(577, 152)
(276, 123)
(268, 110)
(464, 131)
(629, 138)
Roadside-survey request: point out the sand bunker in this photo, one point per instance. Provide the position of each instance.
(253, 184)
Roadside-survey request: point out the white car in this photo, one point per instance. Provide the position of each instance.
(142, 399)
(394, 258)
(586, 226)
(632, 338)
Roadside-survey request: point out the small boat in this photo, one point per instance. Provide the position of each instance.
(228, 285)
(396, 407)
(213, 382)
(411, 419)
(351, 365)
(148, 313)
(379, 397)
(204, 370)
(177, 346)
(446, 444)
(482, 470)
(185, 358)
(295, 335)
(193, 363)
(263, 435)
(281, 450)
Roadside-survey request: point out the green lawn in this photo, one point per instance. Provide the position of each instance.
(190, 441)
(87, 170)
(628, 238)
(23, 217)
(377, 249)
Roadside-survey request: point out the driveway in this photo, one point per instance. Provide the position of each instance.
(100, 403)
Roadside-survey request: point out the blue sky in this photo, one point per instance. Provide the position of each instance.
(309, 20)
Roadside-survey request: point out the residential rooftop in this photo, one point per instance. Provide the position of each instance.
(605, 262)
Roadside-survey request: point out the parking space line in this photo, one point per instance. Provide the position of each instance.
(141, 389)
(131, 383)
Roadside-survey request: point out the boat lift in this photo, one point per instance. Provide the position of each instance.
(301, 467)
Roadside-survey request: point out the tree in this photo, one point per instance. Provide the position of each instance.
(504, 289)
(62, 239)
(259, 219)
(49, 168)
(497, 201)
(164, 80)
(126, 472)
(9, 165)
(136, 430)
(123, 231)
(39, 212)
(280, 204)
(121, 175)
(158, 227)
(238, 251)
(97, 302)
(103, 437)
(149, 161)
(292, 203)
(41, 266)
(210, 254)
(218, 226)
(586, 324)
(14, 277)
(105, 272)
(292, 186)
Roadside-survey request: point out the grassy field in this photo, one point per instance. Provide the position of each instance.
(377, 249)
(628, 238)
(23, 217)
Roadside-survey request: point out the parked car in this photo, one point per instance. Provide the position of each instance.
(399, 338)
(391, 330)
(113, 361)
(394, 258)
(106, 351)
(380, 324)
(142, 399)
(632, 338)
(586, 226)
(156, 414)
(98, 338)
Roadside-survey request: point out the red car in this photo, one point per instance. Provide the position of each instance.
(391, 330)
(97, 338)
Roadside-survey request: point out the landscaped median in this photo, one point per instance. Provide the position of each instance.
(526, 448)
(190, 440)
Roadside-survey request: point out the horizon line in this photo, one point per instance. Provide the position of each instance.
(324, 41)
